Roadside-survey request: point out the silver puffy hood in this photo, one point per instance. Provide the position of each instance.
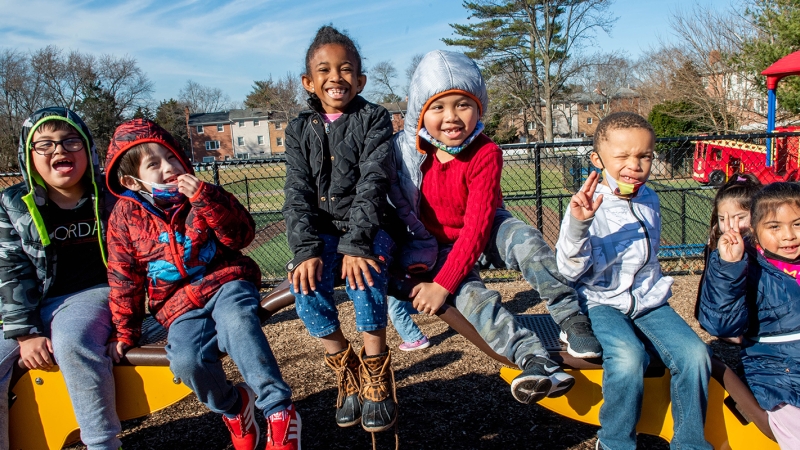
(439, 72)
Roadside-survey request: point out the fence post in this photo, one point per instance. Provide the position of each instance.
(247, 192)
(215, 172)
(672, 163)
(537, 153)
(683, 217)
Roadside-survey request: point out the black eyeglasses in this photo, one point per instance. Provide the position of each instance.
(48, 147)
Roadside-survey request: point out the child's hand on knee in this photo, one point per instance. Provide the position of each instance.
(116, 350)
(36, 351)
(428, 297)
(304, 277)
(355, 270)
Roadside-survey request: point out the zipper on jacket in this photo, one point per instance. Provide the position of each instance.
(321, 162)
(632, 309)
(176, 257)
(419, 187)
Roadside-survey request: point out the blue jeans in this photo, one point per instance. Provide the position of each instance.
(400, 314)
(317, 309)
(78, 325)
(624, 361)
(227, 323)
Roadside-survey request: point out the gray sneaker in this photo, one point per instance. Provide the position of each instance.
(576, 332)
(540, 378)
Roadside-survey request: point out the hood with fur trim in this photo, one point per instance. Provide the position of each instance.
(131, 134)
(439, 72)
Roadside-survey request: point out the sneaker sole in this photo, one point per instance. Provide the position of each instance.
(419, 347)
(562, 383)
(531, 389)
(563, 338)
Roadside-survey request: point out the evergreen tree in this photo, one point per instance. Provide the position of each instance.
(101, 114)
(543, 37)
(171, 116)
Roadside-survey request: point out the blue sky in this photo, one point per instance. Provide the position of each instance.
(229, 44)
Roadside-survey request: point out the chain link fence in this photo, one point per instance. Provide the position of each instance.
(538, 181)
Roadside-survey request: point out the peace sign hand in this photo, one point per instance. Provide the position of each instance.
(729, 223)
(731, 244)
(581, 206)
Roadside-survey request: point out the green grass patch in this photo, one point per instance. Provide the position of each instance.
(272, 256)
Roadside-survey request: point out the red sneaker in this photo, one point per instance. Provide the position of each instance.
(283, 430)
(244, 429)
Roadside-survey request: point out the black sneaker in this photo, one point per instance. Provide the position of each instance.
(540, 378)
(562, 382)
(576, 332)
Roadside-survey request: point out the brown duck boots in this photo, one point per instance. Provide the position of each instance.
(378, 394)
(345, 365)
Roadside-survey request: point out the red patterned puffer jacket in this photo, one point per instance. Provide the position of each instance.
(178, 260)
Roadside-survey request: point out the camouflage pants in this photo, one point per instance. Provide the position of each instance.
(517, 246)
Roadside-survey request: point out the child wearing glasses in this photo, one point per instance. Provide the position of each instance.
(53, 283)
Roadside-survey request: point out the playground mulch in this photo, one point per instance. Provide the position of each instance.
(451, 396)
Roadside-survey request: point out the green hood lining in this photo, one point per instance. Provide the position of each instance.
(34, 176)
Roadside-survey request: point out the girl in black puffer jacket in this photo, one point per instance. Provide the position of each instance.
(336, 185)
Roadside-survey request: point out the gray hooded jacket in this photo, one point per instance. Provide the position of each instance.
(438, 72)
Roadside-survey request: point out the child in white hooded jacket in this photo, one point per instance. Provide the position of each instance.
(607, 249)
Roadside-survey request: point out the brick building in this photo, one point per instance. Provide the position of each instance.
(235, 134)
(397, 111)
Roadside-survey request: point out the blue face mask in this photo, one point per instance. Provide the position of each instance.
(163, 192)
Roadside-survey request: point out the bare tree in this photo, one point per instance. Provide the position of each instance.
(606, 82)
(124, 81)
(703, 71)
(203, 99)
(280, 97)
(20, 95)
(412, 67)
(64, 76)
(104, 90)
(543, 37)
(382, 75)
(512, 91)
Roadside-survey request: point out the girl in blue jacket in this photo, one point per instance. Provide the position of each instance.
(754, 291)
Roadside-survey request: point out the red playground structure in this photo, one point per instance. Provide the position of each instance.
(777, 160)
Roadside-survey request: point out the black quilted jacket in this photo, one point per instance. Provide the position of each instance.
(336, 180)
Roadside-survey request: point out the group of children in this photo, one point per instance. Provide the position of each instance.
(364, 206)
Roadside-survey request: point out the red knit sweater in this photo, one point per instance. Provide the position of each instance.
(458, 202)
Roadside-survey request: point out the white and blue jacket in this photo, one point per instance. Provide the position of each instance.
(611, 259)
